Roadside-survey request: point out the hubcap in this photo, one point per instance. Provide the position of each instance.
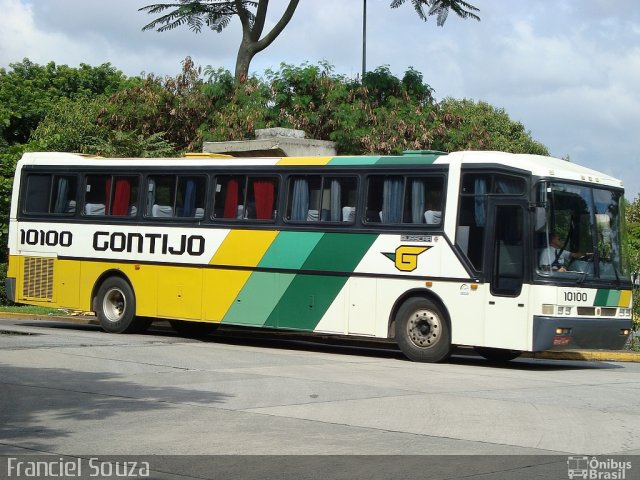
(114, 305)
(423, 328)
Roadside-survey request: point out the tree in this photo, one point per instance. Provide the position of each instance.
(441, 9)
(28, 91)
(217, 14)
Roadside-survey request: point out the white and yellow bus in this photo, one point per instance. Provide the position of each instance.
(427, 249)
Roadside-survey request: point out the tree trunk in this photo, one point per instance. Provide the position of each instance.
(243, 60)
(251, 41)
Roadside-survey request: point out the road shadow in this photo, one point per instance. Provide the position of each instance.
(341, 345)
(33, 399)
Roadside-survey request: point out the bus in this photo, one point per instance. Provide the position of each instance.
(502, 252)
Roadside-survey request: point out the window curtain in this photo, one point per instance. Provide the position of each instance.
(231, 199)
(300, 200)
(480, 189)
(107, 197)
(417, 201)
(122, 197)
(336, 201)
(62, 196)
(507, 185)
(189, 203)
(151, 195)
(264, 194)
(392, 200)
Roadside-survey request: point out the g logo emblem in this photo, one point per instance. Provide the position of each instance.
(406, 257)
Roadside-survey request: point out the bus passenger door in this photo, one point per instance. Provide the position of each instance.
(507, 305)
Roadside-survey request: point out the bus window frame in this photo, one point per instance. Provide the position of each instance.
(320, 224)
(54, 173)
(406, 175)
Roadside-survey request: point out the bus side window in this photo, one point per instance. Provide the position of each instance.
(228, 200)
(423, 200)
(314, 198)
(262, 197)
(171, 196)
(111, 195)
(52, 194)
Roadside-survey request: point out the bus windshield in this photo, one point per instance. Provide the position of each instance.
(579, 232)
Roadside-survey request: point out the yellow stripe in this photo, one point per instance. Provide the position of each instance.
(304, 161)
(625, 299)
(243, 248)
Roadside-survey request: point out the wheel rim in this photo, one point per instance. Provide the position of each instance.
(424, 328)
(114, 305)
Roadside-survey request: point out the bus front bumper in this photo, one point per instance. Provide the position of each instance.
(565, 333)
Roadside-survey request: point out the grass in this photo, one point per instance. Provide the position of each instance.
(33, 310)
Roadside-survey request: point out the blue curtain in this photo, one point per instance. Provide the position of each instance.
(480, 189)
(417, 201)
(189, 204)
(392, 200)
(300, 200)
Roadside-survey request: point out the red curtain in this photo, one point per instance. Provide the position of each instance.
(264, 194)
(231, 199)
(122, 197)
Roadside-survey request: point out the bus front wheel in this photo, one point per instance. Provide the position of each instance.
(115, 306)
(422, 331)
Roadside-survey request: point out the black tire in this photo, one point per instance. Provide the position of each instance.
(193, 329)
(115, 306)
(498, 355)
(422, 331)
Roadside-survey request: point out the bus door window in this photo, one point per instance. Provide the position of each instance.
(472, 216)
(46, 193)
(508, 251)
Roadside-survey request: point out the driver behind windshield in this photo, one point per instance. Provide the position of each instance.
(555, 257)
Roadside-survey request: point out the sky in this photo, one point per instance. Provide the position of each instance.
(569, 70)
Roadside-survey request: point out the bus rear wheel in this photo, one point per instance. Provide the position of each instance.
(422, 331)
(115, 306)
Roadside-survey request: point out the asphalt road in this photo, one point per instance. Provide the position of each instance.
(68, 389)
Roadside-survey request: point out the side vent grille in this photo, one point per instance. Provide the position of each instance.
(38, 278)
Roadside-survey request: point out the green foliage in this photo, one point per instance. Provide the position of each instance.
(29, 91)
(480, 126)
(632, 216)
(173, 107)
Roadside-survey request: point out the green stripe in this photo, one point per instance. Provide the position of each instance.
(309, 296)
(260, 295)
(412, 159)
(607, 298)
(338, 161)
(408, 160)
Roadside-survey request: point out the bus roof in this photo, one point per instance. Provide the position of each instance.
(541, 166)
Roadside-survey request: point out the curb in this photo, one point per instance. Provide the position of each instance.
(578, 355)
